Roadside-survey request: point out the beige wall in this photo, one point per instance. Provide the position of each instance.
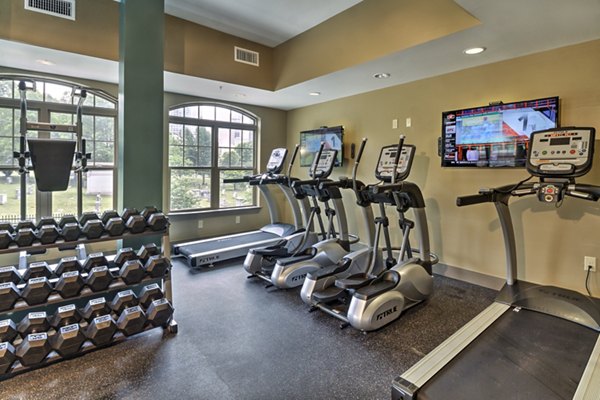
(551, 244)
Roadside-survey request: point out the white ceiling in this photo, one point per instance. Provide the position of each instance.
(508, 29)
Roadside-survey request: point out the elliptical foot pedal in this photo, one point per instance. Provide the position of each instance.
(329, 294)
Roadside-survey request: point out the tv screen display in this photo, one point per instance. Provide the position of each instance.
(310, 141)
(494, 135)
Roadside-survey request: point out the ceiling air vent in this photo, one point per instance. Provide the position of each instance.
(58, 8)
(245, 56)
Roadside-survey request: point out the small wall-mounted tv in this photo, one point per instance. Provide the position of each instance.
(496, 135)
(310, 141)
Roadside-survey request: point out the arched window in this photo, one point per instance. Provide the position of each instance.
(209, 142)
(52, 102)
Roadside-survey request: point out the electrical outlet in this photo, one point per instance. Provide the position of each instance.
(200, 224)
(237, 221)
(589, 262)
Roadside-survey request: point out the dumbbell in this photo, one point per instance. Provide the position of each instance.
(47, 230)
(8, 330)
(91, 225)
(149, 293)
(7, 357)
(35, 345)
(69, 228)
(67, 264)
(69, 335)
(155, 219)
(113, 223)
(122, 300)
(157, 266)
(131, 269)
(131, 321)
(147, 250)
(94, 260)
(24, 234)
(101, 325)
(6, 234)
(36, 291)
(99, 276)
(159, 312)
(134, 221)
(69, 284)
(37, 270)
(10, 274)
(9, 294)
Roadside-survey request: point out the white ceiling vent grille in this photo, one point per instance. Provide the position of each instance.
(57, 8)
(245, 56)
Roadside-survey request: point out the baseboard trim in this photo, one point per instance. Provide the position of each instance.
(476, 278)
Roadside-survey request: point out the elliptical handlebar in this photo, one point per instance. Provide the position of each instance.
(291, 164)
(355, 168)
(316, 160)
(397, 157)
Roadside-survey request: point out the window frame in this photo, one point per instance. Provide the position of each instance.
(45, 109)
(214, 167)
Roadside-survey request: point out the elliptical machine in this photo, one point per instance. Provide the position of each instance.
(259, 261)
(290, 272)
(368, 302)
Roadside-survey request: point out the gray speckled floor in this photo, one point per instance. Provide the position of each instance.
(238, 340)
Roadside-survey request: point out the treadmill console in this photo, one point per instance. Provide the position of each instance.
(275, 163)
(387, 157)
(561, 152)
(324, 165)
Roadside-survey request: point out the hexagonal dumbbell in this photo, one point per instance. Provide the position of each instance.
(68, 264)
(6, 238)
(69, 336)
(134, 221)
(47, 230)
(101, 330)
(69, 284)
(8, 330)
(37, 270)
(131, 321)
(94, 260)
(87, 216)
(132, 272)
(160, 312)
(36, 291)
(95, 308)
(124, 254)
(150, 293)
(70, 230)
(9, 294)
(33, 349)
(147, 250)
(155, 219)
(157, 266)
(24, 234)
(7, 357)
(123, 300)
(93, 229)
(33, 322)
(10, 274)
(7, 226)
(99, 278)
(113, 223)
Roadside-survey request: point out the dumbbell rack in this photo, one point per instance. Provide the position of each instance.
(54, 301)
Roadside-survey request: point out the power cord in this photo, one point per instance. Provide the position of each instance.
(587, 278)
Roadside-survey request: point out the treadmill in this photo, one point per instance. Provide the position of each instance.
(207, 252)
(533, 342)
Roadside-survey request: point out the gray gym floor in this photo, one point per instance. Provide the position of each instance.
(238, 340)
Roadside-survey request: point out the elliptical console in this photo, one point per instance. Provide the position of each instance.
(388, 159)
(275, 163)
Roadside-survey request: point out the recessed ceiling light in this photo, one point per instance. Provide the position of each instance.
(44, 62)
(382, 75)
(474, 50)
(315, 93)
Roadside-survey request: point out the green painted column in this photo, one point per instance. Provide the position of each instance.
(141, 110)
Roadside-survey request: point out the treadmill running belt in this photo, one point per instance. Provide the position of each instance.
(523, 355)
(224, 243)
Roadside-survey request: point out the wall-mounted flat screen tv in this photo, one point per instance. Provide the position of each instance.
(496, 135)
(310, 141)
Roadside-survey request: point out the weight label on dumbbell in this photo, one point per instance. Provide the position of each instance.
(33, 281)
(3, 346)
(159, 302)
(103, 320)
(99, 300)
(38, 264)
(6, 285)
(33, 337)
(4, 323)
(132, 310)
(101, 268)
(35, 315)
(125, 293)
(94, 255)
(69, 259)
(154, 286)
(69, 328)
(68, 307)
(6, 269)
(70, 274)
